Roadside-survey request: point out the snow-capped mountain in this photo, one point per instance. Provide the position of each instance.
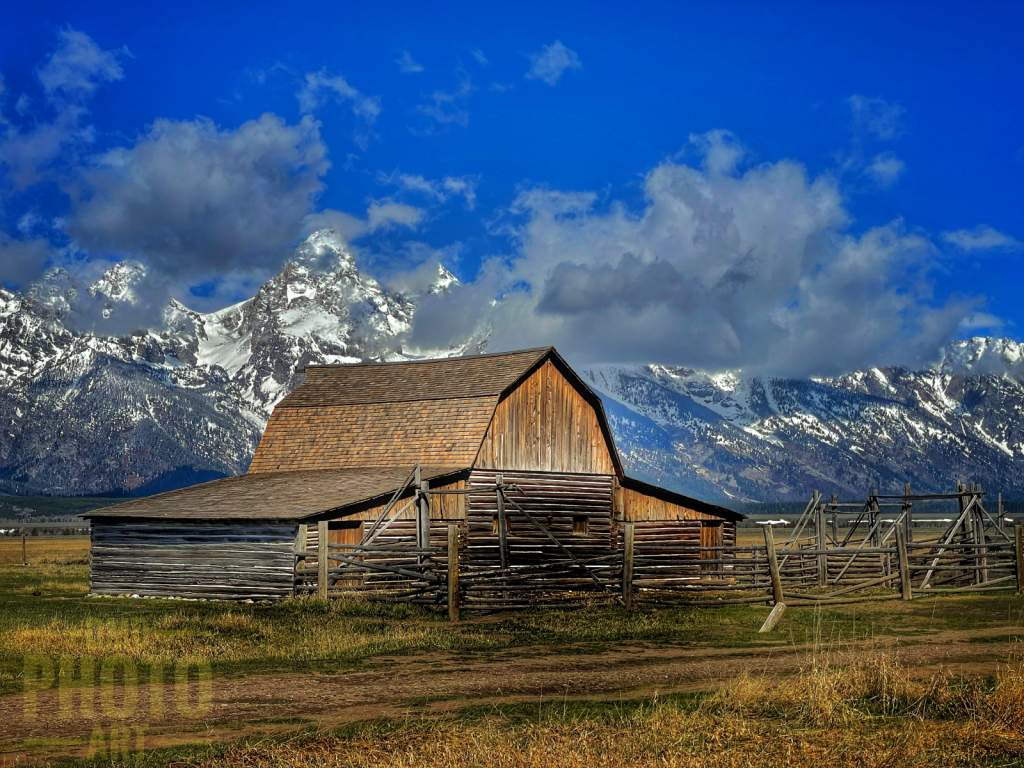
(82, 413)
(86, 414)
(778, 439)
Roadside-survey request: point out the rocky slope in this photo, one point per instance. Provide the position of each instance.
(82, 413)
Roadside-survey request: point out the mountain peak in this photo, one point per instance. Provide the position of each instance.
(982, 355)
(118, 282)
(324, 251)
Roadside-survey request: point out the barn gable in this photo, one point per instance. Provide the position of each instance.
(545, 424)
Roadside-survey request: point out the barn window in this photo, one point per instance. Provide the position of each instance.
(580, 525)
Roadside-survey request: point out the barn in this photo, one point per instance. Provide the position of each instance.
(373, 453)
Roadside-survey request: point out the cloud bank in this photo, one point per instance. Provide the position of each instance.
(720, 269)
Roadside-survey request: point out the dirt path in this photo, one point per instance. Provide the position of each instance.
(396, 687)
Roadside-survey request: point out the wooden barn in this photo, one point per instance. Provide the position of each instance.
(513, 448)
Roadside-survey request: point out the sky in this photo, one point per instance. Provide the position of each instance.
(792, 188)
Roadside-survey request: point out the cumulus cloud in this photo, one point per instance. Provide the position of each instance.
(406, 65)
(549, 64)
(190, 198)
(885, 169)
(880, 118)
(982, 238)
(320, 88)
(981, 320)
(722, 268)
(22, 260)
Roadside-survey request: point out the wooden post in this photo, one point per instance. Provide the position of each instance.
(819, 530)
(908, 508)
(999, 517)
(835, 523)
(627, 566)
(773, 564)
(1018, 535)
(502, 534)
(773, 618)
(24, 551)
(901, 546)
(453, 573)
(322, 563)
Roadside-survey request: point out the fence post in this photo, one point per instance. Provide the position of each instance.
(627, 566)
(820, 542)
(901, 546)
(24, 551)
(453, 573)
(773, 564)
(322, 563)
(1019, 550)
(502, 533)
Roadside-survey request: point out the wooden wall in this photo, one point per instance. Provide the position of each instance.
(556, 501)
(545, 425)
(223, 561)
(639, 507)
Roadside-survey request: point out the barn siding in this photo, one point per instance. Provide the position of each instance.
(555, 500)
(223, 561)
(546, 425)
(639, 507)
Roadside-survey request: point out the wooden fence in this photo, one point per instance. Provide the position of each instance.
(510, 559)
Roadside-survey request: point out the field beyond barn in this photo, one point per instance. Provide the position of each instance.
(938, 681)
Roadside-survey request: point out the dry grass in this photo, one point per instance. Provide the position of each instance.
(871, 713)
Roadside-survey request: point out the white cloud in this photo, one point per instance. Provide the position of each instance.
(69, 78)
(406, 65)
(720, 269)
(550, 63)
(440, 190)
(319, 88)
(449, 107)
(381, 214)
(78, 66)
(982, 238)
(885, 168)
(977, 320)
(877, 117)
(480, 58)
(190, 198)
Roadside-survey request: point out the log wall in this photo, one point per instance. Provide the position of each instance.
(546, 425)
(235, 561)
(639, 507)
(575, 509)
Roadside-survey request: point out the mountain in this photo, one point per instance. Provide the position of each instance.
(82, 412)
(771, 439)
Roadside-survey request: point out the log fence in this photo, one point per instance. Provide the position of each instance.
(515, 552)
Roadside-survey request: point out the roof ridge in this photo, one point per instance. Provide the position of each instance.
(426, 360)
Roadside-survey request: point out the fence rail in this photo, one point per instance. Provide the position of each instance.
(454, 574)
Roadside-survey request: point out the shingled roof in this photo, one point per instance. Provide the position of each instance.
(387, 414)
(415, 380)
(275, 495)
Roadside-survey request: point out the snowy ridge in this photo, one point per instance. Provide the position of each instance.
(168, 406)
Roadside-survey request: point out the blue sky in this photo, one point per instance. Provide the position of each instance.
(782, 186)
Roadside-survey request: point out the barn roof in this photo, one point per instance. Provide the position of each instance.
(413, 380)
(276, 495)
(433, 411)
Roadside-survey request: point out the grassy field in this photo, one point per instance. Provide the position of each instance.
(308, 682)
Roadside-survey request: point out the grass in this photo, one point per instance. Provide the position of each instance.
(863, 711)
(841, 710)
